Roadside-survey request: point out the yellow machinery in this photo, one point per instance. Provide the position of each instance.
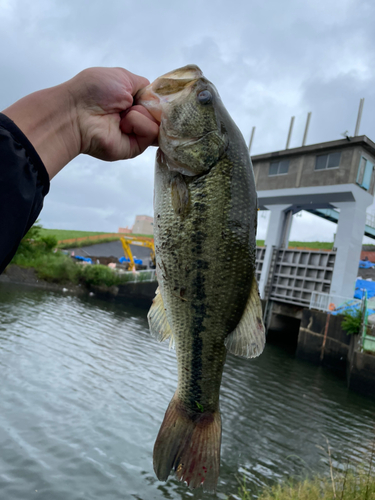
(141, 241)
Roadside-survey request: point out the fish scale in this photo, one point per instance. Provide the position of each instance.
(215, 295)
(207, 302)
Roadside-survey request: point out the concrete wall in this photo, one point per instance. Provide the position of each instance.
(334, 352)
(302, 171)
(339, 352)
(361, 373)
(140, 294)
(143, 224)
(370, 255)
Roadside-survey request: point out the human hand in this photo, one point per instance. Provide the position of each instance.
(92, 113)
(106, 123)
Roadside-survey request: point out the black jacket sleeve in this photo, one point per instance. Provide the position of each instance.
(24, 183)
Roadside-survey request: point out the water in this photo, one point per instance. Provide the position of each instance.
(84, 389)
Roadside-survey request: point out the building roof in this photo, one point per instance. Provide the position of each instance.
(361, 140)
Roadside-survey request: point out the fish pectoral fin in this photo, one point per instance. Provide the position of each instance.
(157, 320)
(248, 338)
(179, 194)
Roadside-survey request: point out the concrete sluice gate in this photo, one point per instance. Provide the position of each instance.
(335, 181)
(295, 274)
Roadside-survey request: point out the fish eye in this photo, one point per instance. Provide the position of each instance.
(205, 97)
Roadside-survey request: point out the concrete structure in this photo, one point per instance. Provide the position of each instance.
(337, 175)
(321, 340)
(144, 224)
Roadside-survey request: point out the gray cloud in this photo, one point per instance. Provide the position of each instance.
(269, 61)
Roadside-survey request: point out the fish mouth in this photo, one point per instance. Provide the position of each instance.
(167, 88)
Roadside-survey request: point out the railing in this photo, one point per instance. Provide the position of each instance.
(139, 276)
(259, 259)
(335, 304)
(368, 341)
(370, 220)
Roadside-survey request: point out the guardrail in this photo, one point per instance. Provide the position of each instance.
(139, 276)
(333, 303)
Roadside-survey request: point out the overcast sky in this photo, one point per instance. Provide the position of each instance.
(269, 60)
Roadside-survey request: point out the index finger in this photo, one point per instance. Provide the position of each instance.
(137, 82)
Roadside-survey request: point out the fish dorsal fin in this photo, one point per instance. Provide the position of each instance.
(157, 319)
(248, 338)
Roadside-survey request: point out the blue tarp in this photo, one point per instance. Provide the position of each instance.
(125, 259)
(366, 264)
(85, 259)
(351, 306)
(364, 285)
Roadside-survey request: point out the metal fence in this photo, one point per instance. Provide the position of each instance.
(139, 276)
(368, 341)
(333, 303)
(336, 304)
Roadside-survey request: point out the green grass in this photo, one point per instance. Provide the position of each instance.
(60, 268)
(37, 250)
(353, 485)
(67, 234)
(315, 245)
(143, 235)
(347, 482)
(53, 267)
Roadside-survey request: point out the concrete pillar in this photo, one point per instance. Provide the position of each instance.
(348, 241)
(287, 226)
(275, 231)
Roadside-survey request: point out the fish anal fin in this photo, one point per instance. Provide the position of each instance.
(157, 319)
(248, 338)
(189, 445)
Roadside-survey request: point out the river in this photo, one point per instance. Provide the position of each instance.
(84, 389)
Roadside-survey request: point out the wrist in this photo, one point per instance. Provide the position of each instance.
(48, 120)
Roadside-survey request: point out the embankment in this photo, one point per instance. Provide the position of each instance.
(139, 293)
(322, 341)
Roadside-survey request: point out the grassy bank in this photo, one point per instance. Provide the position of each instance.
(60, 268)
(347, 483)
(67, 234)
(352, 486)
(67, 238)
(310, 245)
(86, 242)
(37, 251)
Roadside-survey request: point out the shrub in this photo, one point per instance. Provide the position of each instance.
(352, 322)
(98, 275)
(50, 242)
(56, 268)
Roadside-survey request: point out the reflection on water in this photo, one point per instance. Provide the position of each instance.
(84, 389)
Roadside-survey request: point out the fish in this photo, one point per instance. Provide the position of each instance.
(207, 302)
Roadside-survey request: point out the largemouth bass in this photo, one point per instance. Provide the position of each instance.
(204, 228)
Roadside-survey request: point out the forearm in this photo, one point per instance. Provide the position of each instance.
(47, 119)
(24, 183)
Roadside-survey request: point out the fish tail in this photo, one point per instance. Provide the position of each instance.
(189, 445)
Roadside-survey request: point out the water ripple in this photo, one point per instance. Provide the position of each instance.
(85, 388)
